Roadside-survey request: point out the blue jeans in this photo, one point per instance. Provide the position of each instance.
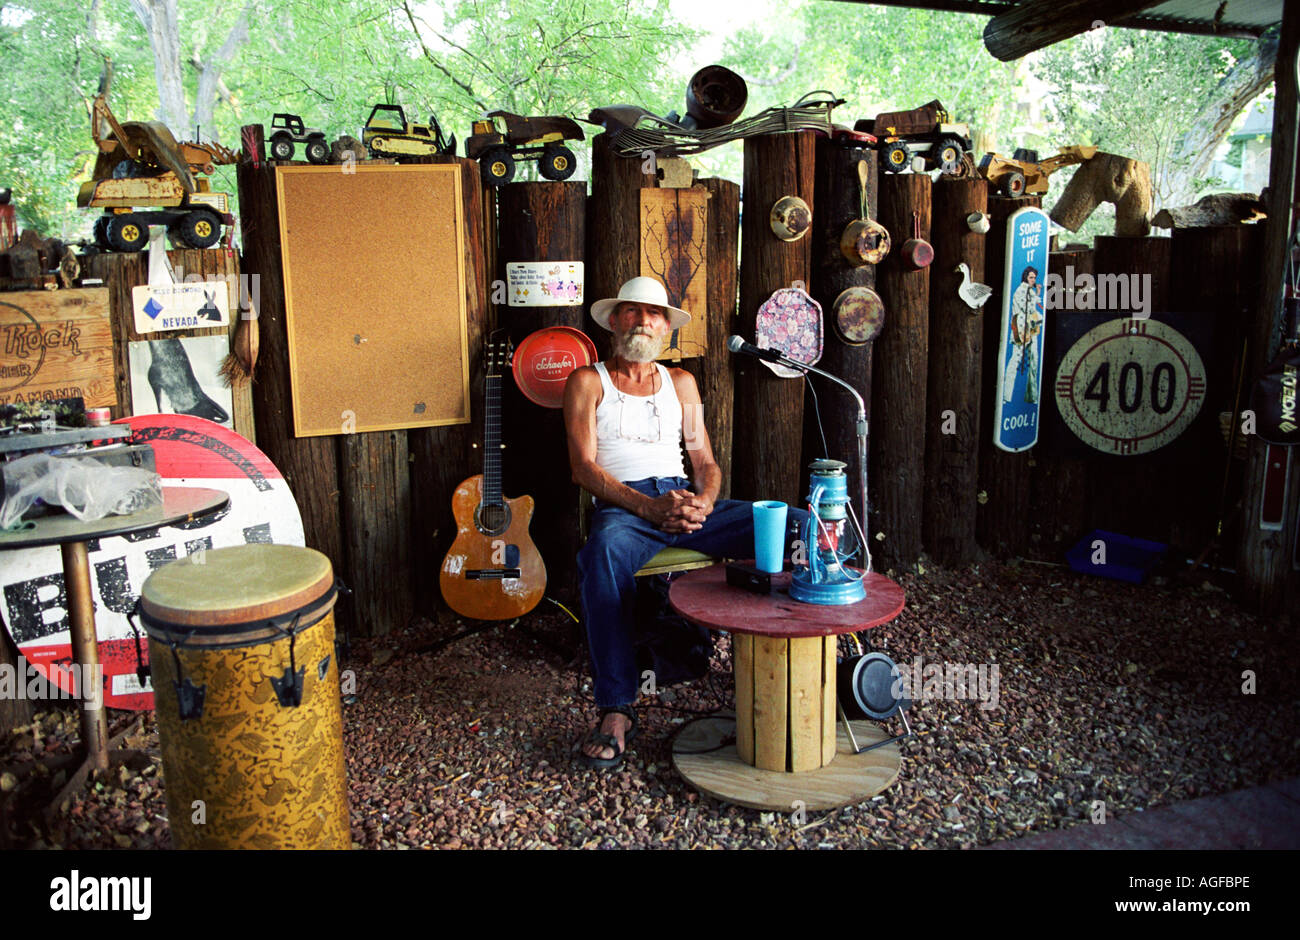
(620, 542)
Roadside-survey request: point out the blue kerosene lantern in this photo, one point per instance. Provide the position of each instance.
(830, 541)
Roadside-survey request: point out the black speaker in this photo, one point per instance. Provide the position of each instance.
(872, 686)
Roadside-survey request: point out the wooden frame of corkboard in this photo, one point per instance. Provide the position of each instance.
(374, 283)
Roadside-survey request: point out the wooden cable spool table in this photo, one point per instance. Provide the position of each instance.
(180, 504)
(787, 746)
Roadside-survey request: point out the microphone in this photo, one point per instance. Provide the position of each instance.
(738, 345)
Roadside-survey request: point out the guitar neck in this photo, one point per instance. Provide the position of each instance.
(492, 441)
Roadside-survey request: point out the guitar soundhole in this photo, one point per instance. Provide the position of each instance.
(493, 519)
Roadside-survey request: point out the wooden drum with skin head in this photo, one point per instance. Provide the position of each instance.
(246, 687)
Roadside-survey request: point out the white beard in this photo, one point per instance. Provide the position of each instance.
(638, 347)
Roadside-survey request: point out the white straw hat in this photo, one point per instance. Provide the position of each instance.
(642, 290)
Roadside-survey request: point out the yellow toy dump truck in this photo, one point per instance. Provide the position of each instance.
(140, 164)
(1024, 174)
(926, 131)
(501, 139)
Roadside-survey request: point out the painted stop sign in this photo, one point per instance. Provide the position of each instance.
(1130, 386)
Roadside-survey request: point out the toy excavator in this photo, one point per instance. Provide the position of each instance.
(1024, 174)
(141, 164)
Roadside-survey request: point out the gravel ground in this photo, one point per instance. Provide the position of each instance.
(1107, 692)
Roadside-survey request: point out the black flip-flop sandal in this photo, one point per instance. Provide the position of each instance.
(602, 740)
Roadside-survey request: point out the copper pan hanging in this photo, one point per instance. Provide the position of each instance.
(865, 241)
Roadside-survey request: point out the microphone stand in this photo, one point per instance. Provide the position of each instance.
(862, 437)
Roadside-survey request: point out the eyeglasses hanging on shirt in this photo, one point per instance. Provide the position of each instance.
(638, 419)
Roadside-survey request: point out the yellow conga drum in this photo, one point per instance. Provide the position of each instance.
(246, 688)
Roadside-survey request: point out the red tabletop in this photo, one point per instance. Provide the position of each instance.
(703, 596)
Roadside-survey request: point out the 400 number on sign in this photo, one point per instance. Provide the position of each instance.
(1130, 386)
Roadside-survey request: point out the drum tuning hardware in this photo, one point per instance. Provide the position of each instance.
(288, 688)
(189, 698)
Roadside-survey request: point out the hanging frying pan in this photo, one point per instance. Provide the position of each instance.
(858, 315)
(865, 241)
(917, 252)
(866, 686)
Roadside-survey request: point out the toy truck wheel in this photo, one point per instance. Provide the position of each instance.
(281, 147)
(896, 157)
(497, 166)
(126, 232)
(947, 154)
(101, 231)
(376, 147)
(317, 151)
(557, 163)
(1013, 184)
(199, 229)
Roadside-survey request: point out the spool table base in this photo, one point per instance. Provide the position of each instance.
(715, 768)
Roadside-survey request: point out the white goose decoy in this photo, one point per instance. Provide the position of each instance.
(974, 293)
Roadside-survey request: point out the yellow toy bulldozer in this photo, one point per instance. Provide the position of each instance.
(1024, 174)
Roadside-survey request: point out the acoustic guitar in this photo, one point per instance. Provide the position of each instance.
(493, 570)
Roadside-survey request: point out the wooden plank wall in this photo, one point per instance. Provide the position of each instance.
(378, 504)
(386, 530)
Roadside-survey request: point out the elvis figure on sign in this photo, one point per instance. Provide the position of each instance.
(1026, 324)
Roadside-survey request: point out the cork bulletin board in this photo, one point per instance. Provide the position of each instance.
(374, 286)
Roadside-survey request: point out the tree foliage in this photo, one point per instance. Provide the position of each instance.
(233, 62)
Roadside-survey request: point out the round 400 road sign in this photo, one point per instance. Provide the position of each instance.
(1130, 386)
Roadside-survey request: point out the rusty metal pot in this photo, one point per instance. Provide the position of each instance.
(865, 241)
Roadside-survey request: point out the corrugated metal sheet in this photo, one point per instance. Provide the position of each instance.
(1240, 17)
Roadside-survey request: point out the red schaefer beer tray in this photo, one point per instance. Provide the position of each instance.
(544, 360)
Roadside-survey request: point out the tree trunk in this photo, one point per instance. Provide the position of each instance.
(162, 24)
(899, 375)
(838, 204)
(541, 222)
(1002, 520)
(955, 375)
(769, 410)
(717, 377)
(1245, 82)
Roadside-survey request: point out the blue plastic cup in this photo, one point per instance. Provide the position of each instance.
(769, 535)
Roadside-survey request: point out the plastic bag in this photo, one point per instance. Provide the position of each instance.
(86, 488)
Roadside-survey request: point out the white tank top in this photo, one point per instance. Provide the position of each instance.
(639, 437)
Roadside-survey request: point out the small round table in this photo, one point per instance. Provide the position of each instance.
(180, 504)
(787, 745)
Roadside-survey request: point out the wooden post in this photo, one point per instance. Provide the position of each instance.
(716, 376)
(541, 222)
(952, 441)
(838, 204)
(1058, 494)
(309, 464)
(769, 410)
(613, 228)
(1264, 557)
(1215, 277)
(1144, 495)
(1024, 28)
(440, 458)
(375, 490)
(14, 712)
(899, 376)
(1002, 520)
